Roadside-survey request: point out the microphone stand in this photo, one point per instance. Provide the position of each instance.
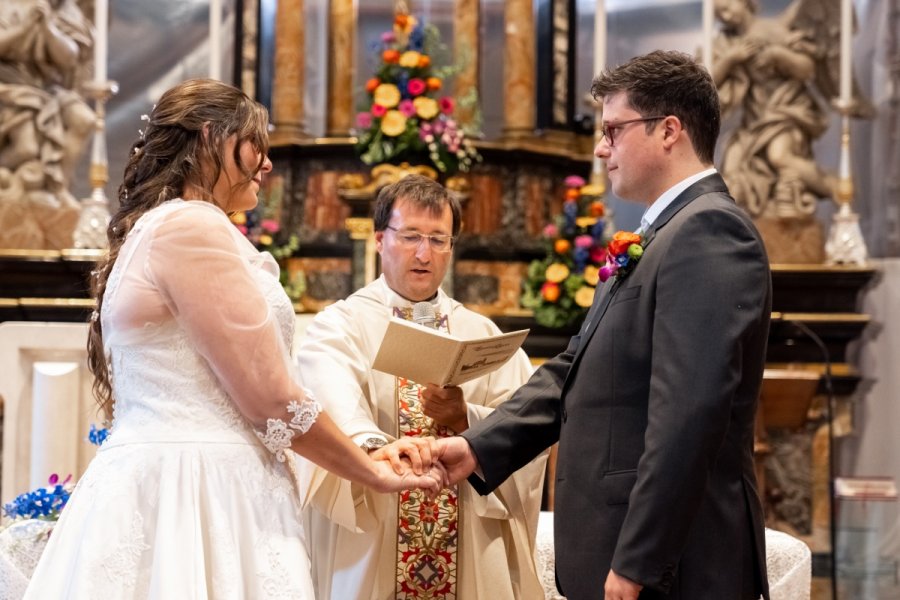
(829, 406)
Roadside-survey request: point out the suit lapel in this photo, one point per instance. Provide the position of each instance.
(712, 183)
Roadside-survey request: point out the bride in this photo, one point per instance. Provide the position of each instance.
(194, 494)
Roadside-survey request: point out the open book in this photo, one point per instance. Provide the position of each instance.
(427, 355)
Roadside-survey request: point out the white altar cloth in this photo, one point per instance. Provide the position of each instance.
(788, 562)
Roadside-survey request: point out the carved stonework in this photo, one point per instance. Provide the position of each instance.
(771, 71)
(44, 122)
(792, 241)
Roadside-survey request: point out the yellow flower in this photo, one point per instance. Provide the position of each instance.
(239, 218)
(265, 239)
(387, 95)
(557, 272)
(393, 123)
(584, 297)
(426, 108)
(410, 59)
(591, 275)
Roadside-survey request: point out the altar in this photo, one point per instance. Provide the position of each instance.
(788, 562)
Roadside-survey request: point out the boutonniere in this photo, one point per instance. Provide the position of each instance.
(623, 252)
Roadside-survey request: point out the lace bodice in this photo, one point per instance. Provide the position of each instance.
(197, 331)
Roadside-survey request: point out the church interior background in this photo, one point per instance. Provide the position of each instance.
(833, 346)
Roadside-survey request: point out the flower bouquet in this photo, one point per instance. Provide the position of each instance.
(405, 118)
(560, 288)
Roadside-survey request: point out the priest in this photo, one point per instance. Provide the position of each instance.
(377, 546)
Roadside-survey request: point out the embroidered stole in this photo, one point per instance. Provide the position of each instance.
(427, 532)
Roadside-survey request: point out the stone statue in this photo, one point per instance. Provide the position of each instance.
(44, 52)
(777, 72)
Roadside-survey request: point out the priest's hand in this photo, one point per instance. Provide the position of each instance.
(447, 406)
(620, 588)
(457, 456)
(417, 451)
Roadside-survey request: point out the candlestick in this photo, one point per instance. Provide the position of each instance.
(599, 37)
(597, 174)
(708, 20)
(846, 51)
(90, 231)
(101, 20)
(845, 244)
(215, 37)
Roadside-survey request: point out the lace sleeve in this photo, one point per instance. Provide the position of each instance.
(279, 434)
(208, 285)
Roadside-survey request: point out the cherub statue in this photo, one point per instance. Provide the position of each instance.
(772, 70)
(44, 122)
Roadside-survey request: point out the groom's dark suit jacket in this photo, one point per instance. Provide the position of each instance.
(653, 405)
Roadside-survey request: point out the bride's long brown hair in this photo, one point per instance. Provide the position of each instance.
(182, 143)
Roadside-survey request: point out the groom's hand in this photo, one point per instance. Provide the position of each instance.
(457, 456)
(618, 587)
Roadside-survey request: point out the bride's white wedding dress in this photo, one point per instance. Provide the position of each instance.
(192, 495)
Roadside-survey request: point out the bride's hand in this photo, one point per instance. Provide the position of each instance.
(431, 482)
(418, 451)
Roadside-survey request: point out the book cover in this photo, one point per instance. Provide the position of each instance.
(427, 355)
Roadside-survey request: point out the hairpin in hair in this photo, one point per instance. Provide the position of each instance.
(143, 132)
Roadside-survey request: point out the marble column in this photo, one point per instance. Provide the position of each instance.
(465, 25)
(288, 81)
(341, 54)
(519, 69)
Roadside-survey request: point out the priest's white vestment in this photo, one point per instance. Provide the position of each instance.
(353, 531)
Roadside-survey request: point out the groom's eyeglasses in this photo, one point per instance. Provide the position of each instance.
(610, 129)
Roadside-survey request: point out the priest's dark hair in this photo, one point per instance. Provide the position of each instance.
(419, 191)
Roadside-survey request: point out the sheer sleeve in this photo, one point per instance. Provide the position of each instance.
(197, 266)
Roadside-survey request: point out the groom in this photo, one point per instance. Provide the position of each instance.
(653, 402)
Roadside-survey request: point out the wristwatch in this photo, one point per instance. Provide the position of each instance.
(373, 443)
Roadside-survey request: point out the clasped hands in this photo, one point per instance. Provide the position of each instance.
(426, 463)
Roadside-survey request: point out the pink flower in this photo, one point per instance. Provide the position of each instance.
(446, 104)
(407, 108)
(378, 111)
(364, 120)
(573, 181)
(551, 230)
(270, 225)
(598, 254)
(242, 228)
(416, 87)
(388, 37)
(584, 241)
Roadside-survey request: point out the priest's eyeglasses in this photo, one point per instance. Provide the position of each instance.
(411, 239)
(609, 129)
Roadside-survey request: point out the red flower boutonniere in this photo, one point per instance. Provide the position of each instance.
(623, 252)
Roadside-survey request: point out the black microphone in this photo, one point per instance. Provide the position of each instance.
(424, 315)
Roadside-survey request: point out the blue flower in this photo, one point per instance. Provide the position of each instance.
(97, 436)
(42, 503)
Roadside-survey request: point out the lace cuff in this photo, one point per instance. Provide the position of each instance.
(279, 434)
